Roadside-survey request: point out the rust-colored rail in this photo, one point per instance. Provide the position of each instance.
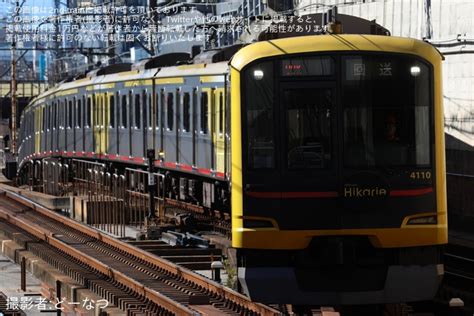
(158, 280)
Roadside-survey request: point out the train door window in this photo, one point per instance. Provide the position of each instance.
(137, 111)
(56, 114)
(46, 109)
(112, 110)
(221, 112)
(100, 109)
(117, 109)
(145, 109)
(51, 116)
(170, 111)
(177, 108)
(43, 117)
(159, 104)
(124, 111)
(162, 109)
(89, 111)
(79, 113)
(70, 114)
(64, 112)
(130, 109)
(186, 112)
(83, 111)
(204, 112)
(150, 111)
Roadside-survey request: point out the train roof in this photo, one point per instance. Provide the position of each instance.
(186, 70)
(334, 43)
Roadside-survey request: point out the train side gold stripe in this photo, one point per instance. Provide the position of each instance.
(100, 86)
(206, 79)
(127, 73)
(134, 83)
(66, 92)
(170, 80)
(193, 66)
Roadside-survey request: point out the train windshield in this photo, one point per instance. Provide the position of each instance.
(386, 111)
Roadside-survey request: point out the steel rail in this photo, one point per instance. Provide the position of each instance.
(164, 264)
(134, 285)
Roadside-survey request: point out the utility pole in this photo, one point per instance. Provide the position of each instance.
(13, 80)
(152, 16)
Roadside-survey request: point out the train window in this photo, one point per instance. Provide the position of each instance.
(70, 114)
(308, 121)
(383, 127)
(89, 111)
(170, 111)
(83, 110)
(221, 112)
(117, 109)
(112, 110)
(124, 111)
(64, 116)
(186, 112)
(51, 119)
(137, 110)
(158, 107)
(204, 112)
(259, 116)
(130, 109)
(43, 116)
(145, 109)
(194, 109)
(79, 113)
(53, 116)
(100, 110)
(150, 110)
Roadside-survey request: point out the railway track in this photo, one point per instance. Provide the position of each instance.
(458, 278)
(131, 278)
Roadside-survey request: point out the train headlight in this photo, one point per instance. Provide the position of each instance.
(415, 71)
(258, 74)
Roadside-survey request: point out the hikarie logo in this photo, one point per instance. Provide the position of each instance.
(355, 191)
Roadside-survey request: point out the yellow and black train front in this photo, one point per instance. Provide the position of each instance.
(338, 170)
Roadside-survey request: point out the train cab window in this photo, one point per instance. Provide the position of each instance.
(79, 113)
(259, 116)
(137, 111)
(221, 112)
(383, 126)
(308, 120)
(204, 112)
(70, 115)
(145, 109)
(112, 110)
(124, 111)
(170, 110)
(186, 112)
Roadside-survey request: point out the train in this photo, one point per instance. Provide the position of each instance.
(327, 151)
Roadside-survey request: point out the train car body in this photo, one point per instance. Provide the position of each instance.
(330, 148)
